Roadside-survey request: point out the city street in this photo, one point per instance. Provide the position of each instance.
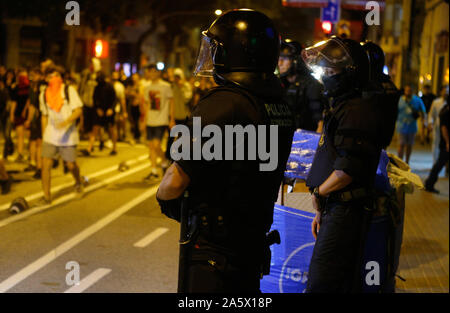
(117, 227)
(338, 107)
(122, 243)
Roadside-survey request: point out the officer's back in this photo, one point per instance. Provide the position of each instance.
(231, 196)
(238, 189)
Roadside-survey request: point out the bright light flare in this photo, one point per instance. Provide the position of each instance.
(98, 48)
(327, 27)
(317, 72)
(160, 66)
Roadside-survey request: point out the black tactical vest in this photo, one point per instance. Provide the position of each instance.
(234, 199)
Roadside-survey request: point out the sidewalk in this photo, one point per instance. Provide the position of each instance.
(424, 259)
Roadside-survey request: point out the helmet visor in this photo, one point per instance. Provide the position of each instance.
(205, 64)
(326, 58)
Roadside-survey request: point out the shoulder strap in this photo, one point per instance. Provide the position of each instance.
(66, 92)
(45, 99)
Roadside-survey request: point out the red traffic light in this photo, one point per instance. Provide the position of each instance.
(327, 27)
(101, 49)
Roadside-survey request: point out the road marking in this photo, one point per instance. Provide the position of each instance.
(65, 185)
(72, 242)
(144, 242)
(71, 196)
(89, 280)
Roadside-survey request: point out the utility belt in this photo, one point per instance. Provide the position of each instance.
(352, 195)
(212, 235)
(361, 195)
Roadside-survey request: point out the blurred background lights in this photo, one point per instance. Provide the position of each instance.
(160, 66)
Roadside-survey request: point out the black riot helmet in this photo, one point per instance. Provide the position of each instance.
(341, 65)
(238, 45)
(376, 59)
(292, 50)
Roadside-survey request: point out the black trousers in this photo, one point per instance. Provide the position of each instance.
(337, 256)
(210, 271)
(437, 167)
(135, 115)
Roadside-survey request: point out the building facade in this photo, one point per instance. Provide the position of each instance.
(434, 46)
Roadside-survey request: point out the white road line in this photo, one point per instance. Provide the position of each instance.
(65, 185)
(72, 242)
(71, 196)
(144, 242)
(89, 280)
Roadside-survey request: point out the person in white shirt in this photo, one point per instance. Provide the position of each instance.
(121, 105)
(159, 115)
(433, 121)
(60, 106)
(182, 94)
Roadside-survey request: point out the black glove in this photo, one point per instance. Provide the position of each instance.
(171, 208)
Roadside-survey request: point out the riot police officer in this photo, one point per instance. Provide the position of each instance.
(343, 172)
(231, 201)
(387, 94)
(303, 93)
(382, 87)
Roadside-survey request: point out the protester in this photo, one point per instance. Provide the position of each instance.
(182, 94)
(433, 121)
(18, 111)
(104, 105)
(410, 108)
(159, 114)
(444, 117)
(427, 98)
(170, 75)
(10, 85)
(134, 103)
(33, 123)
(60, 107)
(4, 95)
(120, 107)
(87, 86)
(46, 64)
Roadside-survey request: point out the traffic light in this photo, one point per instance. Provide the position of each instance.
(101, 50)
(327, 27)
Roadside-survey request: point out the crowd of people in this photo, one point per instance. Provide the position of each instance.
(420, 117)
(146, 104)
(45, 111)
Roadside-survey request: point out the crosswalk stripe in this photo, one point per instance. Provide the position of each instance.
(72, 242)
(71, 196)
(55, 189)
(144, 242)
(89, 280)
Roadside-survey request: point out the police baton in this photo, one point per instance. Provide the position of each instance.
(184, 241)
